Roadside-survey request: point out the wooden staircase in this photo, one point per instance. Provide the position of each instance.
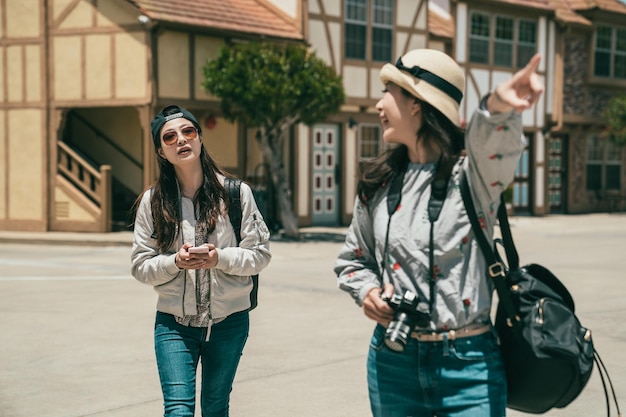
(89, 187)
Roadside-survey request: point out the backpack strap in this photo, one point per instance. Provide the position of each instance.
(233, 188)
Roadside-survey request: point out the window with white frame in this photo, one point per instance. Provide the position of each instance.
(526, 41)
(479, 38)
(356, 29)
(382, 30)
(369, 24)
(370, 141)
(504, 41)
(604, 164)
(610, 52)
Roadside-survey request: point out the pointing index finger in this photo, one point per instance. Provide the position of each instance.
(532, 64)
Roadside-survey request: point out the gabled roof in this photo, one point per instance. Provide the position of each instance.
(607, 5)
(439, 21)
(240, 16)
(535, 4)
(569, 11)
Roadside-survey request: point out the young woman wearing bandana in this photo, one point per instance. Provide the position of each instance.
(203, 294)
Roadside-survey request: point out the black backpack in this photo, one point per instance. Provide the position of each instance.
(233, 188)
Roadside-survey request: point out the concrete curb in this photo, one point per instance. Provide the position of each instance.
(68, 238)
(125, 238)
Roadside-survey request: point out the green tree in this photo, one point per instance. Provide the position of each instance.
(615, 114)
(271, 87)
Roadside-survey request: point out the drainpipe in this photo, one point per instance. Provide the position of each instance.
(51, 139)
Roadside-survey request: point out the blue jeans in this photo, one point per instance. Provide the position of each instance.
(179, 348)
(460, 378)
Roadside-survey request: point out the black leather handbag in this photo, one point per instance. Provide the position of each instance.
(548, 355)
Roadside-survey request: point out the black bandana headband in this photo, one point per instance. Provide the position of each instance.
(160, 119)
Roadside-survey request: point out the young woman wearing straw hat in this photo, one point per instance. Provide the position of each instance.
(410, 259)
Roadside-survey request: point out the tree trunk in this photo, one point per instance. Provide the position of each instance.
(271, 148)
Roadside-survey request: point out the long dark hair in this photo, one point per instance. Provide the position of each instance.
(165, 200)
(437, 131)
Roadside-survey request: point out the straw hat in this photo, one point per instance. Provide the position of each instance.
(431, 76)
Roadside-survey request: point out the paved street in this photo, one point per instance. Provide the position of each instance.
(76, 328)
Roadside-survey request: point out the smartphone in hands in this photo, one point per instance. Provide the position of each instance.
(198, 249)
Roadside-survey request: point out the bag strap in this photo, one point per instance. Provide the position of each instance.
(602, 371)
(495, 268)
(512, 256)
(233, 187)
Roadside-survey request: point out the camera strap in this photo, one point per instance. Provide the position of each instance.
(394, 195)
(438, 191)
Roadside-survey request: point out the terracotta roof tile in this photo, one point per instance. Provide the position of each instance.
(608, 5)
(440, 22)
(564, 13)
(244, 16)
(569, 10)
(534, 4)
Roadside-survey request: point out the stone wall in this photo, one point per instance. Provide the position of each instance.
(574, 75)
(579, 97)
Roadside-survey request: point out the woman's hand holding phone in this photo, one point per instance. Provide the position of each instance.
(196, 257)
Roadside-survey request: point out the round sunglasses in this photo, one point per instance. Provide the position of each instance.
(171, 137)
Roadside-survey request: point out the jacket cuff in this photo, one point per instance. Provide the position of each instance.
(222, 259)
(365, 289)
(170, 265)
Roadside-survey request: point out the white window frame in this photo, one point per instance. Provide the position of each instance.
(370, 141)
(382, 19)
(514, 44)
(618, 40)
(372, 16)
(605, 154)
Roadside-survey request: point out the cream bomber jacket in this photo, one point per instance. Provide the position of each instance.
(230, 278)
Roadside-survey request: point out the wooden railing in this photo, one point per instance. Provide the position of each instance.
(93, 183)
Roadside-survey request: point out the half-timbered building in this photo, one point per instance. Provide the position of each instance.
(80, 81)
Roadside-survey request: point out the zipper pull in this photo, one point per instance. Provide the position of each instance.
(540, 317)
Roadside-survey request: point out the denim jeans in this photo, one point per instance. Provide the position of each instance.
(460, 378)
(179, 349)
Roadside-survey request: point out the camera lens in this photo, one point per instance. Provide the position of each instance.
(398, 332)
